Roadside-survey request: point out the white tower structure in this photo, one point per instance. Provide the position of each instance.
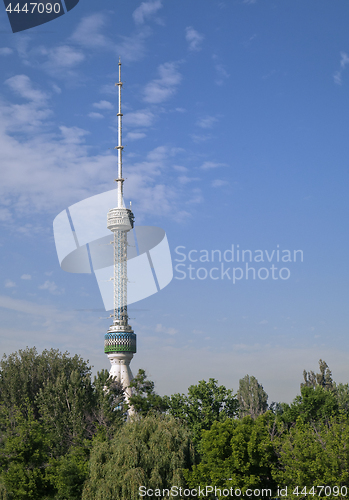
(120, 341)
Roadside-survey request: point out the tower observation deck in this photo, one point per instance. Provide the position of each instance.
(120, 340)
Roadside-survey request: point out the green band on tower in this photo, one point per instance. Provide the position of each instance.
(120, 342)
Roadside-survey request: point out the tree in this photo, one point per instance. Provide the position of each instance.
(110, 408)
(342, 393)
(205, 403)
(322, 379)
(149, 452)
(314, 453)
(313, 405)
(68, 473)
(24, 373)
(3, 492)
(23, 455)
(252, 397)
(64, 405)
(46, 434)
(237, 454)
(144, 398)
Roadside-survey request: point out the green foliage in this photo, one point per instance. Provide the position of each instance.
(3, 492)
(149, 451)
(45, 429)
(322, 379)
(314, 454)
(109, 409)
(64, 405)
(205, 403)
(25, 373)
(342, 394)
(252, 397)
(64, 437)
(237, 454)
(68, 473)
(144, 399)
(23, 457)
(314, 404)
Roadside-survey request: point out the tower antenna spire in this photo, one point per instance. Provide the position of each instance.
(120, 147)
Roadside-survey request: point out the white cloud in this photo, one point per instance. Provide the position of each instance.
(183, 179)
(219, 183)
(221, 72)
(338, 78)
(95, 115)
(22, 85)
(28, 116)
(132, 47)
(48, 172)
(158, 154)
(193, 38)
(141, 118)
(73, 135)
(44, 171)
(103, 105)
(344, 59)
(248, 42)
(48, 168)
(163, 88)
(196, 197)
(5, 51)
(162, 329)
(10, 284)
(180, 168)
(146, 10)
(207, 165)
(134, 136)
(57, 89)
(89, 32)
(34, 309)
(51, 287)
(26, 277)
(64, 56)
(207, 122)
(343, 63)
(200, 137)
(5, 215)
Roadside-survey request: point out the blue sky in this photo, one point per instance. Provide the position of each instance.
(236, 133)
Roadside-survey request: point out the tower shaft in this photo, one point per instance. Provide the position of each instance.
(120, 275)
(120, 340)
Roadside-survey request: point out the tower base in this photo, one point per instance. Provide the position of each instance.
(121, 371)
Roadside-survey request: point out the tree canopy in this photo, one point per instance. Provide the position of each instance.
(64, 436)
(252, 398)
(150, 452)
(204, 404)
(236, 454)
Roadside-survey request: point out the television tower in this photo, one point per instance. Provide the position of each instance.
(120, 341)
